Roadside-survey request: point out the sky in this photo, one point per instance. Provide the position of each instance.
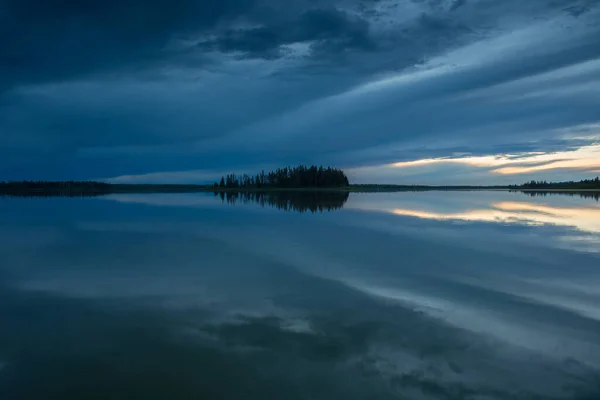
(392, 91)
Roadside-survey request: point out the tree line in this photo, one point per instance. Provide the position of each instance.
(582, 184)
(289, 177)
(54, 188)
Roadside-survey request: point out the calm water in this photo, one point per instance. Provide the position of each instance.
(456, 295)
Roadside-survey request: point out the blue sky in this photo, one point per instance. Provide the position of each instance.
(402, 91)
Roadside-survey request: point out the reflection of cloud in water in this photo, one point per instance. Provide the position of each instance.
(583, 219)
(491, 319)
(590, 244)
(175, 200)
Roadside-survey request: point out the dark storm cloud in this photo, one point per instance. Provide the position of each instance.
(46, 40)
(332, 30)
(60, 39)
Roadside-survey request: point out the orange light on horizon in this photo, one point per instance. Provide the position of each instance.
(583, 158)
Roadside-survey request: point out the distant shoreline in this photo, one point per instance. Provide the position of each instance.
(99, 189)
(556, 190)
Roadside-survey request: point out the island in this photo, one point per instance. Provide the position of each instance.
(288, 177)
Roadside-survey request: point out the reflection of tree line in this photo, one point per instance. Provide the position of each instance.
(300, 201)
(583, 195)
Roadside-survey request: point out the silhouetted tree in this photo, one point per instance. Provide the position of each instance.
(290, 177)
(582, 184)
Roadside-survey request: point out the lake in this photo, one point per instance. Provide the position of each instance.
(424, 295)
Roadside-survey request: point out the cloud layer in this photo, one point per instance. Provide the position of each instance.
(101, 90)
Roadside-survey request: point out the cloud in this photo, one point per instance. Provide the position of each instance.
(61, 39)
(327, 31)
(170, 177)
(475, 93)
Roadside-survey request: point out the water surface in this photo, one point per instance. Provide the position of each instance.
(427, 295)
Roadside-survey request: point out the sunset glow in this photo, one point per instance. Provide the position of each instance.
(583, 158)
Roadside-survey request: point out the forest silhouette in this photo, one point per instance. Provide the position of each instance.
(288, 177)
(584, 184)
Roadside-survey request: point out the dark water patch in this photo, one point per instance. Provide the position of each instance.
(68, 348)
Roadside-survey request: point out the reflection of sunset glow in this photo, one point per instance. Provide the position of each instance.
(584, 219)
(583, 158)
